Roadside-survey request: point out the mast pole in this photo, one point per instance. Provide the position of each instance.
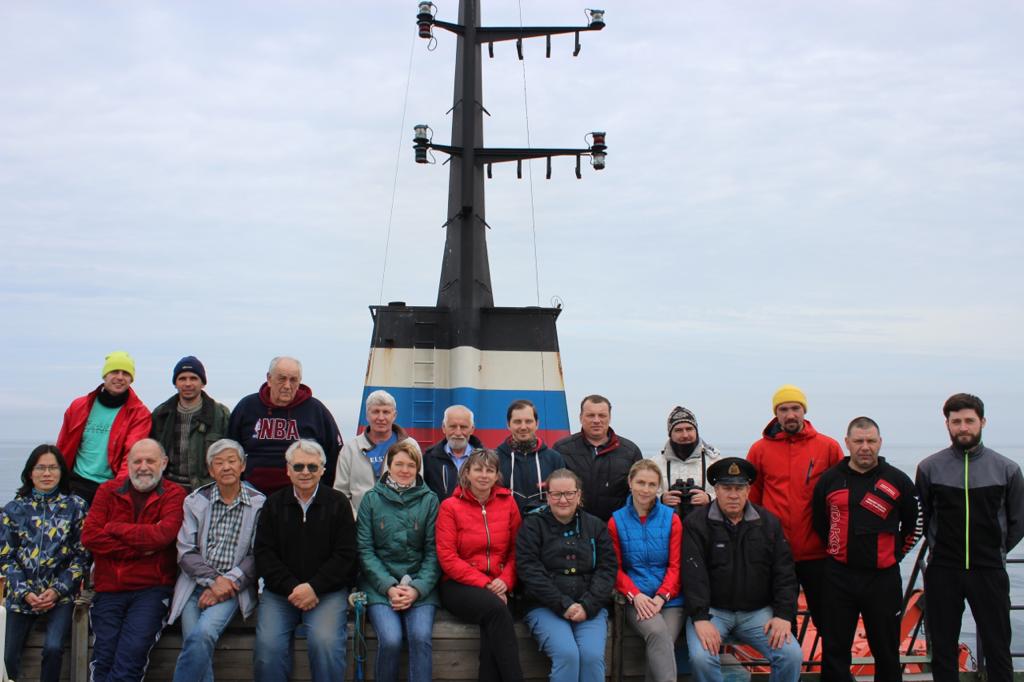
(465, 285)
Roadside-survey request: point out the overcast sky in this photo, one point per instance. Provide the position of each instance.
(826, 194)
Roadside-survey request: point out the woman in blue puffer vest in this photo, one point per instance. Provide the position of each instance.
(648, 539)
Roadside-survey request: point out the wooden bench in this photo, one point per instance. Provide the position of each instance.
(456, 648)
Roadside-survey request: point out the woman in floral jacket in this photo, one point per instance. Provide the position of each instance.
(42, 558)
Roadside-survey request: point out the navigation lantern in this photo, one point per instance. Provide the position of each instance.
(596, 18)
(598, 150)
(425, 19)
(421, 141)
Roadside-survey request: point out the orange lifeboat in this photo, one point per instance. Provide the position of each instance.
(811, 644)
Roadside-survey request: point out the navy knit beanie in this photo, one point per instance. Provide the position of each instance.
(189, 363)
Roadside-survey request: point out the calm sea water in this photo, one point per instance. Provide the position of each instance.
(14, 452)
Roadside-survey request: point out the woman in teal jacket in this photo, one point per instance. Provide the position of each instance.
(400, 570)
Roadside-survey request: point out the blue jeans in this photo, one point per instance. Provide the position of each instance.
(576, 650)
(417, 623)
(326, 633)
(58, 625)
(200, 630)
(746, 627)
(126, 625)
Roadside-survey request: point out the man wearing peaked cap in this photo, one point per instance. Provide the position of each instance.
(790, 458)
(101, 426)
(188, 423)
(732, 471)
(739, 596)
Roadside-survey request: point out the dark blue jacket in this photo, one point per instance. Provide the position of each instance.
(524, 473)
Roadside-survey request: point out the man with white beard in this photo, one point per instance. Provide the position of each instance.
(131, 530)
(444, 459)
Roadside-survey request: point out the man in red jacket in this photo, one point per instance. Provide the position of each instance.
(790, 458)
(131, 531)
(101, 426)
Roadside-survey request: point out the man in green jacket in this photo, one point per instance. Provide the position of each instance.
(187, 423)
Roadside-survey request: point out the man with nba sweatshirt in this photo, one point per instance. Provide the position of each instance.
(280, 413)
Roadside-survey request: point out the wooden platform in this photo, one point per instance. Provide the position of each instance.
(456, 648)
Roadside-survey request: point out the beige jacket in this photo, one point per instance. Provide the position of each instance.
(354, 475)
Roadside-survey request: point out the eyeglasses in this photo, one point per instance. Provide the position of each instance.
(46, 468)
(568, 495)
(298, 467)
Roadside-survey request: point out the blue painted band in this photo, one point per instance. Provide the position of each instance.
(424, 407)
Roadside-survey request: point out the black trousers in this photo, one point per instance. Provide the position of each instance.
(499, 652)
(877, 596)
(811, 576)
(987, 590)
(83, 487)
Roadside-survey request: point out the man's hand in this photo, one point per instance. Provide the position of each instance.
(224, 588)
(575, 613)
(498, 587)
(778, 632)
(709, 636)
(672, 498)
(699, 497)
(647, 607)
(207, 599)
(303, 597)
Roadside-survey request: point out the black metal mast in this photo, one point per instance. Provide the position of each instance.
(465, 283)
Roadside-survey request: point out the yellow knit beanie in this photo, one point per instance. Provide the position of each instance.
(788, 394)
(119, 359)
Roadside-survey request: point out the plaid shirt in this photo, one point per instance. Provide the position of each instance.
(225, 527)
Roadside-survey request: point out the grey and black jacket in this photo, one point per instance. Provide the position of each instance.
(973, 504)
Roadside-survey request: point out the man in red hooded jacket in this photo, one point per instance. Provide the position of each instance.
(790, 458)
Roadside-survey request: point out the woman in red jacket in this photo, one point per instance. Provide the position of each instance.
(476, 539)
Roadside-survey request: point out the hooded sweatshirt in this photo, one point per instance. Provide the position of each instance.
(525, 472)
(266, 430)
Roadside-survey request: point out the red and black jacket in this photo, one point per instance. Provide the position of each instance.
(866, 520)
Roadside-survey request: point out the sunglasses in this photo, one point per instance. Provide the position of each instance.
(311, 468)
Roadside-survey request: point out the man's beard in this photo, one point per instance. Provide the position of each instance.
(793, 426)
(458, 443)
(969, 444)
(525, 446)
(145, 483)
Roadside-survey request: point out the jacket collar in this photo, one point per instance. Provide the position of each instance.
(507, 444)
(611, 444)
(303, 394)
(655, 510)
(715, 513)
(496, 492)
(366, 444)
(774, 431)
(438, 449)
